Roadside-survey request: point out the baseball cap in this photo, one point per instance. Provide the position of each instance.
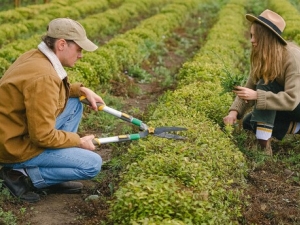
(69, 29)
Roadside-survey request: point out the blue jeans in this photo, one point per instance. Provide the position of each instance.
(55, 166)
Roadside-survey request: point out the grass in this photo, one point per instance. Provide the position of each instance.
(96, 121)
(6, 217)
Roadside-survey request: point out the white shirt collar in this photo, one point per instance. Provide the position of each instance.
(53, 59)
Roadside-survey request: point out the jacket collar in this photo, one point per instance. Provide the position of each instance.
(53, 59)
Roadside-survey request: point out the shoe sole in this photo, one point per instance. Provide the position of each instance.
(30, 199)
(58, 191)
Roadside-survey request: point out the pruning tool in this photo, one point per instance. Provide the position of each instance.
(144, 129)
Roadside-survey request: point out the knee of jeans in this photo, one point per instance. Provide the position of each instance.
(93, 170)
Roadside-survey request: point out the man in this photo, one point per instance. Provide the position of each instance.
(40, 113)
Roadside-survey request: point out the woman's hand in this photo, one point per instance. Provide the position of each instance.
(231, 118)
(86, 142)
(92, 97)
(245, 93)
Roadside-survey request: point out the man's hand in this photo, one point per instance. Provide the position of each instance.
(86, 142)
(92, 97)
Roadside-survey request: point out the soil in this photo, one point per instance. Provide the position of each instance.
(273, 192)
(274, 196)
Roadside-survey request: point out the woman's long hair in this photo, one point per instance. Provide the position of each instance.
(267, 56)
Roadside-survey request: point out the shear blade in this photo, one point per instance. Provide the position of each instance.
(170, 136)
(144, 133)
(159, 130)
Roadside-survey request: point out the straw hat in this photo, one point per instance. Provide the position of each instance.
(271, 20)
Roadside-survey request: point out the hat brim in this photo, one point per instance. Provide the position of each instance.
(86, 45)
(252, 19)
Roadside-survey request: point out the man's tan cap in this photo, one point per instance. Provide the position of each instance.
(69, 29)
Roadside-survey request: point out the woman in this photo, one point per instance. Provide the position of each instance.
(273, 87)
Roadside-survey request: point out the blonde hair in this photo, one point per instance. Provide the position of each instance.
(267, 57)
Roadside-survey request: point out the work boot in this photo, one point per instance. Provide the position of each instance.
(69, 187)
(265, 145)
(18, 185)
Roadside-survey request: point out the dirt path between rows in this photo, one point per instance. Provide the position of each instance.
(52, 210)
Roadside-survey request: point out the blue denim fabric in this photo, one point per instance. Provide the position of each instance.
(55, 166)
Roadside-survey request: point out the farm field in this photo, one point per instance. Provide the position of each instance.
(167, 63)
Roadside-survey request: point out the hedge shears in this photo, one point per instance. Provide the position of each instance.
(144, 129)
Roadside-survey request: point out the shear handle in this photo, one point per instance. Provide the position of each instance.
(84, 100)
(116, 113)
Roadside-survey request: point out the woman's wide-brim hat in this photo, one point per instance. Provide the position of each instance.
(271, 20)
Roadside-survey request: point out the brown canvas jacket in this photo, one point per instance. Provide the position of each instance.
(32, 96)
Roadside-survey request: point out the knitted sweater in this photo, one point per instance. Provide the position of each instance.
(286, 100)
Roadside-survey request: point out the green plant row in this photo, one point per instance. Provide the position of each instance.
(222, 60)
(96, 25)
(296, 3)
(19, 14)
(222, 55)
(291, 16)
(108, 22)
(191, 181)
(131, 48)
(12, 31)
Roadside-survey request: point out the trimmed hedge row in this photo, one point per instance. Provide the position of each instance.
(291, 16)
(108, 22)
(202, 171)
(131, 48)
(29, 12)
(221, 53)
(97, 24)
(12, 31)
(211, 63)
(189, 182)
